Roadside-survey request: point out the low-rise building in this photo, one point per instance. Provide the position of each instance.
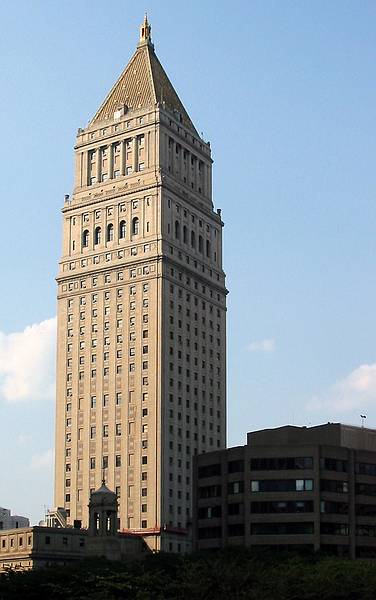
(9, 521)
(34, 547)
(290, 487)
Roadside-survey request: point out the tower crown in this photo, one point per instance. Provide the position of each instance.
(143, 84)
(145, 32)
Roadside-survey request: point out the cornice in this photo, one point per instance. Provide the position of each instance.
(156, 258)
(115, 135)
(125, 190)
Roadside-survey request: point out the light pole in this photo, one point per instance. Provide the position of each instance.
(363, 417)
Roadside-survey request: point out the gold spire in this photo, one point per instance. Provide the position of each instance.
(145, 31)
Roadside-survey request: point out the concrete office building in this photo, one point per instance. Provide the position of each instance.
(290, 487)
(141, 347)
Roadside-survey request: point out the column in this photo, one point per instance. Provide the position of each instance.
(146, 149)
(122, 157)
(99, 164)
(77, 169)
(166, 158)
(203, 178)
(181, 163)
(110, 151)
(196, 172)
(135, 154)
(85, 169)
(172, 157)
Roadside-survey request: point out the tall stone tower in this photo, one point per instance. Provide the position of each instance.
(141, 351)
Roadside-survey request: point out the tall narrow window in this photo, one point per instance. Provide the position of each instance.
(177, 230)
(135, 226)
(97, 235)
(200, 244)
(185, 234)
(207, 248)
(193, 239)
(85, 238)
(110, 232)
(122, 230)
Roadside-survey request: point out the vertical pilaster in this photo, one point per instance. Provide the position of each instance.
(146, 149)
(78, 169)
(166, 155)
(85, 168)
(181, 163)
(207, 181)
(110, 151)
(135, 154)
(196, 172)
(99, 164)
(122, 157)
(203, 178)
(173, 169)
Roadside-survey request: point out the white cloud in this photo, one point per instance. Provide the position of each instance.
(45, 460)
(267, 345)
(23, 439)
(27, 363)
(355, 391)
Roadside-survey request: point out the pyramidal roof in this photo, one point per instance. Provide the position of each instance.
(143, 83)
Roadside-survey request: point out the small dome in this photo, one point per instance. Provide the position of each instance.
(103, 490)
(103, 495)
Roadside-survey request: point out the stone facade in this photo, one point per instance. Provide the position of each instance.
(141, 351)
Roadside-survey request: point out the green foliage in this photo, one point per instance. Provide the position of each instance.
(233, 574)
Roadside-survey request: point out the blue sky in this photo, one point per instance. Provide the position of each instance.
(286, 93)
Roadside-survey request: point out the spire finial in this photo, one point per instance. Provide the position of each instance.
(145, 31)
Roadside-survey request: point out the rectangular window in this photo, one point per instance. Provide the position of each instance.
(282, 485)
(209, 471)
(281, 464)
(298, 528)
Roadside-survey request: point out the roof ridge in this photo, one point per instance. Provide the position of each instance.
(148, 52)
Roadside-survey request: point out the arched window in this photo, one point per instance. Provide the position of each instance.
(135, 226)
(122, 229)
(110, 232)
(97, 235)
(193, 239)
(85, 238)
(177, 230)
(200, 244)
(185, 234)
(207, 248)
(97, 522)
